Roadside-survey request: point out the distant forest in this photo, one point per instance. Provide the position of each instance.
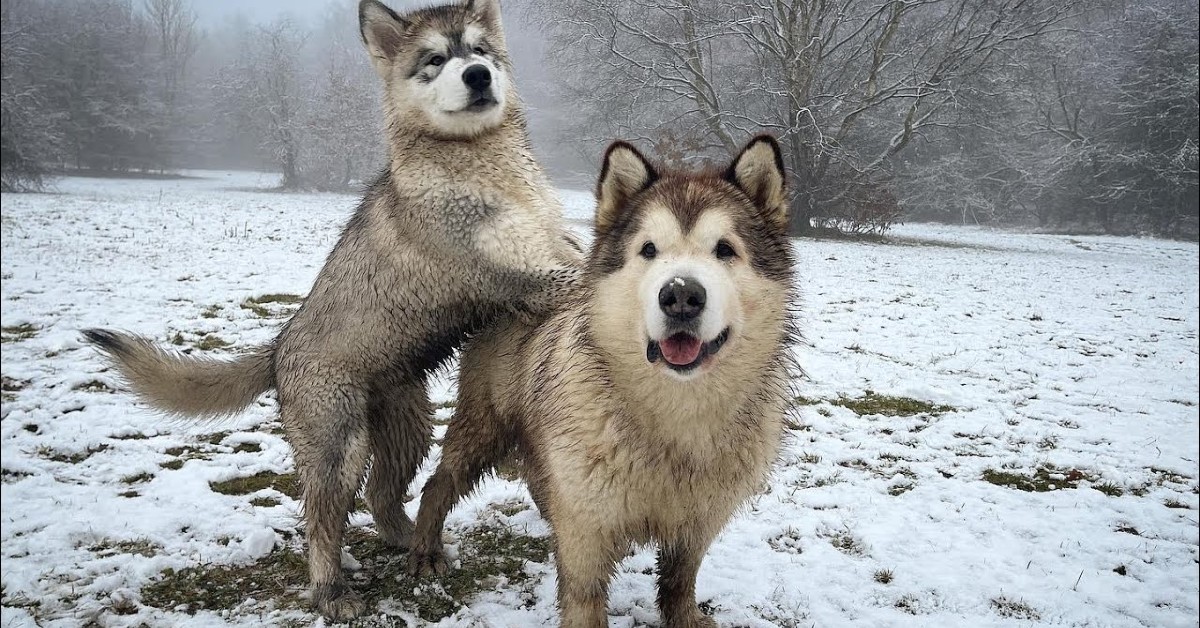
(1069, 115)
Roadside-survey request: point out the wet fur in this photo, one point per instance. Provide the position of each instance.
(459, 231)
(615, 451)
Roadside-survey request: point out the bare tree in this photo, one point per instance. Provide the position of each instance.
(177, 39)
(846, 84)
(28, 135)
(265, 93)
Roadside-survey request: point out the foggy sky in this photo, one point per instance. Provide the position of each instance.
(213, 11)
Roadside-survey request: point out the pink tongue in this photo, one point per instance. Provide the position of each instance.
(681, 349)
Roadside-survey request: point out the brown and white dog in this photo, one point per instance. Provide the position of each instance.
(652, 406)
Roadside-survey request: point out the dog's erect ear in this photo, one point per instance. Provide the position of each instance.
(382, 31)
(758, 171)
(486, 10)
(625, 173)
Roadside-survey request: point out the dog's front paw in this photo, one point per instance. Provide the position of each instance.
(698, 620)
(337, 602)
(693, 619)
(432, 562)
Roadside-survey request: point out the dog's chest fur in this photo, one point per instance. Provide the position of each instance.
(605, 462)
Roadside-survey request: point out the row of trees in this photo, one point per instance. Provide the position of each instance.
(1069, 113)
(1078, 114)
(118, 85)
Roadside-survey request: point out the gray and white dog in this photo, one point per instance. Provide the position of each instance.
(462, 229)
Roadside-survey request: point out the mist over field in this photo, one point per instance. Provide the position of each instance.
(1068, 115)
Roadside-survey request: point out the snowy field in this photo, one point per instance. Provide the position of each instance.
(995, 429)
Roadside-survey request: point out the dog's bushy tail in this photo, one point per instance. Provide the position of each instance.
(186, 385)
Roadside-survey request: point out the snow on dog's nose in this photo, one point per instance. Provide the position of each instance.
(682, 298)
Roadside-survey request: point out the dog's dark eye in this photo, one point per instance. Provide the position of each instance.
(725, 250)
(648, 250)
(437, 60)
(480, 51)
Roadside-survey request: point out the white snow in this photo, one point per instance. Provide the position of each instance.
(1075, 355)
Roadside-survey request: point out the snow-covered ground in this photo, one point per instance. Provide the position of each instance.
(1067, 365)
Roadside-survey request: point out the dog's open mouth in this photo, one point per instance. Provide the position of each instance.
(683, 351)
(479, 103)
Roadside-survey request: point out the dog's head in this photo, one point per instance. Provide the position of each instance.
(445, 69)
(692, 271)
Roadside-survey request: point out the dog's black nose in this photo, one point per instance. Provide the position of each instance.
(682, 298)
(477, 77)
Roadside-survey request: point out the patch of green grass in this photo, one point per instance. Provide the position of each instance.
(264, 502)
(137, 478)
(216, 438)
(900, 489)
(285, 483)
(884, 576)
(277, 297)
(17, 333)
(256, 309)
(512, 507)
(94, 385)
(141, 547)
(872, 403)
(909, 604)
(10, 475)
(71, 457)
(177, 339)
(247, 448)
(9, 384)
(509, 468)
(212, 341)
(172, 465)
(1016, 609)
(787, 542)
(847, 543)
(1045, 478)
(1174, 503)
(1110, 489)
(488, 555)
(257, 305)
(801, 400)
(211, 311)
(1166, 475)
(130, 436)
(280, 577)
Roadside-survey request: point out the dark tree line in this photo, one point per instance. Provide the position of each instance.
(1061, 114)
(117, 85)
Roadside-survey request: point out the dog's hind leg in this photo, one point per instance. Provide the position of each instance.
(328, 429)
(400, 437)
(475, 442)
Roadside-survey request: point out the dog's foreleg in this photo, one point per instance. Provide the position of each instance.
(586, 556)
(678, 564)
(327, 428)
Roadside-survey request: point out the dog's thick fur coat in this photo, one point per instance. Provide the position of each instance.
(461, 230)
(618, 446)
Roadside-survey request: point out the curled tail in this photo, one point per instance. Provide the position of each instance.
(186, 385)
